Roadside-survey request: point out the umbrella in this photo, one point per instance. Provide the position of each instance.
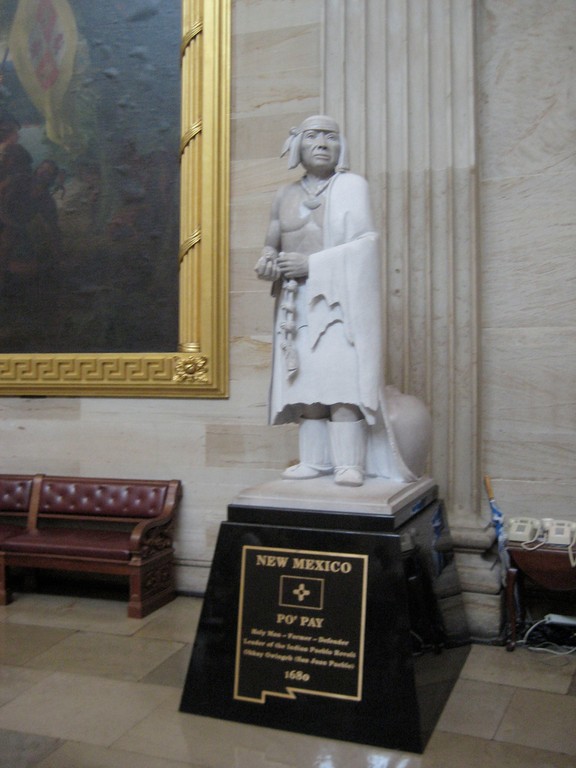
(498, 523)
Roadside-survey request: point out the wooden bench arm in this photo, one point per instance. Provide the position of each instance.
(152, 536)
(156, 534)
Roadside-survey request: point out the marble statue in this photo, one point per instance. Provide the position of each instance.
(322, 256)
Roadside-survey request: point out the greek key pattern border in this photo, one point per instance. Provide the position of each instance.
(42, 374)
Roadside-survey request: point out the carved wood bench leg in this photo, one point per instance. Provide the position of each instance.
(5, 593)
(135, 610)
(151, 587)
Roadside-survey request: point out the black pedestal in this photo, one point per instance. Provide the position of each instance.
(329, 629)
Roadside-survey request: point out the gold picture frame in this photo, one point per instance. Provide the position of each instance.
(199, 367)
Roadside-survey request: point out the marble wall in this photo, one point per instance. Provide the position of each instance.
(526, 130)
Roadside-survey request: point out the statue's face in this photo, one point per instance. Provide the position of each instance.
(320, 150)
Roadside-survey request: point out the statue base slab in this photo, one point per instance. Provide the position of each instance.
(377, 505)
(342, 623)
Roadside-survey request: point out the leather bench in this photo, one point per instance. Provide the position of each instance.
(97, 525)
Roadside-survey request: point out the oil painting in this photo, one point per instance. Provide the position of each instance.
(89, 139)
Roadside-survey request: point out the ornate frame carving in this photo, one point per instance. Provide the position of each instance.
(199, 368)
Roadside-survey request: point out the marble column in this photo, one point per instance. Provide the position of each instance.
(400, 78)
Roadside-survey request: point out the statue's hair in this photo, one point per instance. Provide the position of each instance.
(293, 144)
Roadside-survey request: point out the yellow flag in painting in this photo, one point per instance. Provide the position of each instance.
(43, 42)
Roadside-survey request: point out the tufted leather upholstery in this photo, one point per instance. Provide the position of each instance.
(15, 493)
(109, 498)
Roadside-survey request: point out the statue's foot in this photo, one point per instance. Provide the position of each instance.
(351, 476)
(304, 472)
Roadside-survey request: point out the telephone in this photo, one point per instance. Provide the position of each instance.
(523, 529)
(559, 531)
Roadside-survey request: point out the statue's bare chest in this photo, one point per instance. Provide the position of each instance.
(301, 225)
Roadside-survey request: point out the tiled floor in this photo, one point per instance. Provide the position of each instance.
(82, 686)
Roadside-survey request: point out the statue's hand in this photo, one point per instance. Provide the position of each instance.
(267, 267)
(292, 264)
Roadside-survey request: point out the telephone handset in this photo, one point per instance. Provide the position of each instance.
(524, 529)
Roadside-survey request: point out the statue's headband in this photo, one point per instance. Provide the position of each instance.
(293, 143)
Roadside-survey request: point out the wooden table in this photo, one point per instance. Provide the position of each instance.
(547, 566)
